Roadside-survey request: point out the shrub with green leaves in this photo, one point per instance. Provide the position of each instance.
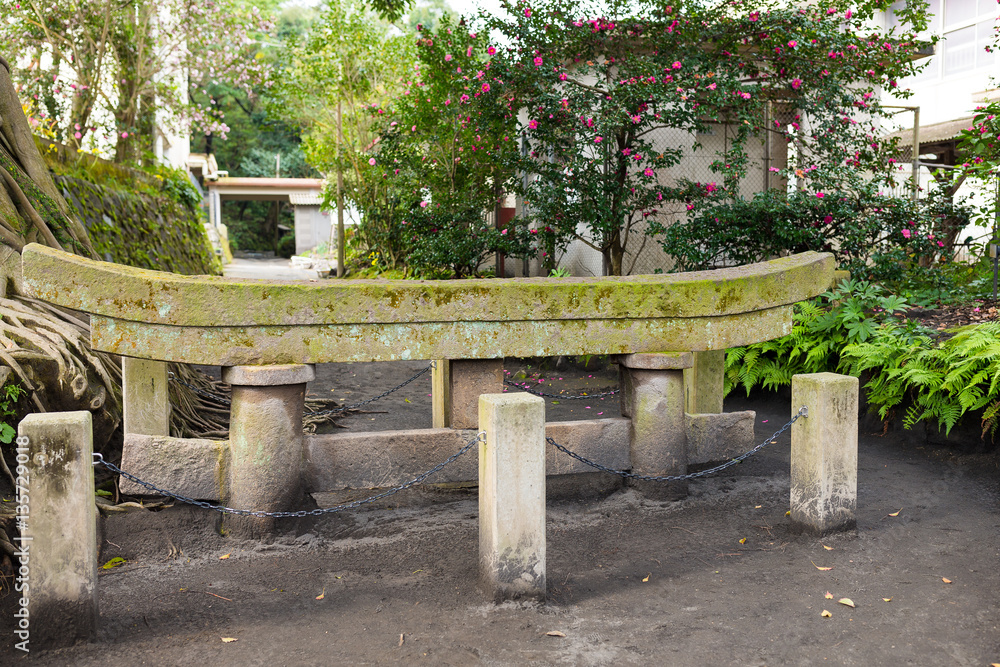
(938, 381)
(852, 313)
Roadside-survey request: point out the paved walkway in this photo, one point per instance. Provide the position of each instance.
(275, 268)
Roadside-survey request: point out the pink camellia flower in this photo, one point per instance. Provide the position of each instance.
(533, 124)
(598, 140)
(424, 204)
(677, 64)
(538, 61)
(503, 233)
(413, 129)
(562, 76)
(796, 83)
(820, 195)
(712, 86)
(468, 52)
(124, 135)
(77, 135)
(827, 220)
(371, 161)
(447, 57)
(648, 172)
(906, 233)
(527, 13)
(491, 50)
(486, 87)
(792, 43)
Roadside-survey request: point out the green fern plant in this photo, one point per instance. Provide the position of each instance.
(849, 314)
(943, 381)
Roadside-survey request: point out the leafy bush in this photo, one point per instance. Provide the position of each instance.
(943, 380)
(852, 313)
(872, 236)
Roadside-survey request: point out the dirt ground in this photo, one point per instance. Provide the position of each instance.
(715, 579)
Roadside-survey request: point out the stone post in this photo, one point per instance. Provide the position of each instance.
(512, 496)
(652, 395)
(58, 550)
(265, 442)
(824, 475)
(145, 397)
(457, 385)
(704, 383)
(441, 393)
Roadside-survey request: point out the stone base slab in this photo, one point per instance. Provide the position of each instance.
(191, 467)
(719, 437)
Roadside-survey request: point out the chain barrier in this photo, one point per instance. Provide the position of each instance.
(571, 397)
(803, 412)
(99, 461)
(225, 400)
(374, 398)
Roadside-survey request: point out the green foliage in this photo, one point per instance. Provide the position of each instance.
(594, 108)
(935, 381)
(10, 394)
(852, 313)
(873, 236)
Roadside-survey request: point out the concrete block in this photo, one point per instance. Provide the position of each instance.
(191, 467)
(267, 376)
(719, 437)
(604, 441)
(468, 379)
(654, 401)
(146, 397)
(59, 547)
(380, 459)
(704, 383)
(512, 496)
(824, 460)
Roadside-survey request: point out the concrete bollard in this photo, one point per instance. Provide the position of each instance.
(512, 496)
(145, 397)
(824, 493)
(652, 395)
(58, 551)
(704, 383)
(265, 441)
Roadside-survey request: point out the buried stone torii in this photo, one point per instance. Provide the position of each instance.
(267, 336)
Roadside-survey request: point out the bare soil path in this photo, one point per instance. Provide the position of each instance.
(715, 579)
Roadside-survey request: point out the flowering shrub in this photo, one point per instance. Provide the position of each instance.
(876, 237)
(589, 93)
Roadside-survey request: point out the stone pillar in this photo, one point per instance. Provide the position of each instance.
(457, 385)
(704, 383)
(824, 493)
(145, 397)
(512, 496)
(265, 442)
(58, 549)
(441, 393)
(652, 395)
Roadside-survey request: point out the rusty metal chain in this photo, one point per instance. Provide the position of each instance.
(571, 397)
(99, 461)
(803, 412)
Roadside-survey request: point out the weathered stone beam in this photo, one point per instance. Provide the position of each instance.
(718, 437)
(128, 293)
(308, 344)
